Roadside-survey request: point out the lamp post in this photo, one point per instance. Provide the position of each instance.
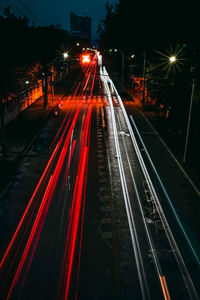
(189, 118)
(27, 90)
(144, 78)
(65, 56)
(122, 67)
(123, 62)
(172, 59)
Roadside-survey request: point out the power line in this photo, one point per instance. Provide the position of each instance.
(21, 12)
(30, 12)
(16, 8)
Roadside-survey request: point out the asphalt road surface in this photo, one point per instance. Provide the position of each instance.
(93, 225)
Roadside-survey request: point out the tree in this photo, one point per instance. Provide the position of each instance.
(137, 25)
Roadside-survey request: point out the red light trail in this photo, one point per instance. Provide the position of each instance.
(15, 265)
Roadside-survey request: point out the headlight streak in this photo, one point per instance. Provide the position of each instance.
(134, 238)
(182, 267)
(147, 231)
(165, 192)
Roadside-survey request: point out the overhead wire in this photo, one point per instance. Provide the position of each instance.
(30, 11)
(26, 8)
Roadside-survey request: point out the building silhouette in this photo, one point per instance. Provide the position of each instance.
(80, 26)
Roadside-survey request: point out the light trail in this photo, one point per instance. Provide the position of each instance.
(78, 196)
(91, 70)
(44, 205)
(147, 231)
(28, 207)
(77, 202)
(59, 130)
(165, 192)
(16, 277)
(35, 213)
(180, 262)
(82, 221)
(182, 267)
(133, 232)
(179, 259)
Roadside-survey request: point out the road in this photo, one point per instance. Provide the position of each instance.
(154, 242)
(95, 226)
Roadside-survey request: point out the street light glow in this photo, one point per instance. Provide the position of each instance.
(65, 55)
(86, 59)
(172, 59)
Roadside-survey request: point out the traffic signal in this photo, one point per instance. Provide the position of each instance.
(86, 59)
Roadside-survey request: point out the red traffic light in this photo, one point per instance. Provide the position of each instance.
(86, 59)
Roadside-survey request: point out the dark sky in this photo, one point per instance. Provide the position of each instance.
(57, 11)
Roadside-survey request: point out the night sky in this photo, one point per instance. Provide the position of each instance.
(57, 11)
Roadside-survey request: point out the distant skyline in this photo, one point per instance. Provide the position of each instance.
(58, 12)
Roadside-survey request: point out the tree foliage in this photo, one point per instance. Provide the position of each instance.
(25, 49)
(143, 25)
(22, 43)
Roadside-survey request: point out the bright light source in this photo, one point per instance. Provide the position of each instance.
(86, 59)
(77, 44)
(172, 59)
(133, 55)
(27, 82)
(65, 55)
(115, 50)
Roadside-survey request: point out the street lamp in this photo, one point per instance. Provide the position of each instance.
(123, 64)
(65, 55)
(172, 59)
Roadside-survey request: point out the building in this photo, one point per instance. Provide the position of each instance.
(80, 26)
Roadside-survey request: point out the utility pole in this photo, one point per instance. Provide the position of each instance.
(122, 67)
(45, 87)
(2, 114)
(189, 119)
(2, 130)
(144, 78)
